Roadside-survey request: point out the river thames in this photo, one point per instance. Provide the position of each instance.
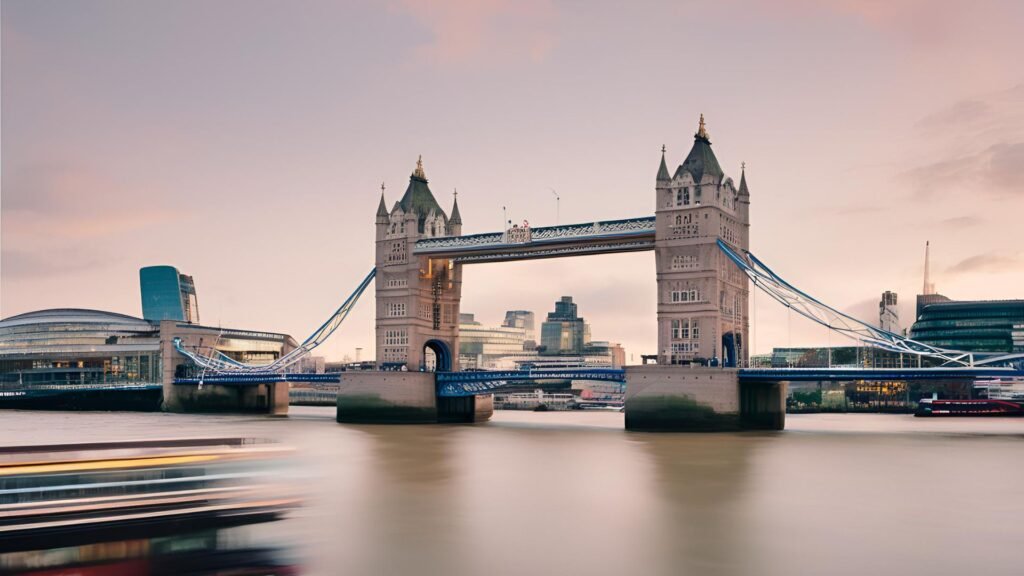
(573, 493)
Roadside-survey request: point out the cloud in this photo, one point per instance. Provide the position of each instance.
(49, 201)
(988, 262)
(471, 33)
(961, 222)
(21, 264)
(997, 170)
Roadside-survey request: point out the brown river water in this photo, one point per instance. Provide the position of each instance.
(573, 493)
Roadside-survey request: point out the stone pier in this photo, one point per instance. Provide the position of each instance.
(404, 398)
(683, 399)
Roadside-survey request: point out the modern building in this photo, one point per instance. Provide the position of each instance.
(483, 347)
(168, 295)
(702, 296)
(888, 316)
(564, 331)
(87, 352)
(973, 326)
(71, 346)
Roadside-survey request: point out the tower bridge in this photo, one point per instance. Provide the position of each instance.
(699, 234)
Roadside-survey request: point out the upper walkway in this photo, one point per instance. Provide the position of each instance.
(524, 243)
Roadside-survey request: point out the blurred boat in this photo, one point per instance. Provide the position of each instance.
(70, 490)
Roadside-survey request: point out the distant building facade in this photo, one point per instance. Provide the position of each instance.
(888, 316)
(483, 347)
(523, 319)
(168, 295)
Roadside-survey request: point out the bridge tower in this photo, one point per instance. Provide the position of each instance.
(702, 296)
(417, 296)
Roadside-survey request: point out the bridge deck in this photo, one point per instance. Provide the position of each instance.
(631, 235)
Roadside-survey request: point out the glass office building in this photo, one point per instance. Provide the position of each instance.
(168, 295)
(71, 346)
(972, 326)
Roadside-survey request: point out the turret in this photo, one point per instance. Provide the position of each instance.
(455, 221)
(663, 176)
(743, 196)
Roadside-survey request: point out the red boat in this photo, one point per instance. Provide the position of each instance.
(981, 407)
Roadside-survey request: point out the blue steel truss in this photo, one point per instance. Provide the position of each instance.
(458, 384)
(873, 374)
(250, 379)
(209, 358)
(809, 307)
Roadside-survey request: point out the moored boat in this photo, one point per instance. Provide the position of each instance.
(979, 407)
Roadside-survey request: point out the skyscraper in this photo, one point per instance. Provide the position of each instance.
(168, 295)
(888, 316)
(564, 332)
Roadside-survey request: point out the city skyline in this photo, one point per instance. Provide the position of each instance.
(186, 155)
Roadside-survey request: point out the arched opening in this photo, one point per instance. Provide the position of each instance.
(437, 356)
(728, 350)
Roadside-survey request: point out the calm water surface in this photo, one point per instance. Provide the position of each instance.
(573, 493)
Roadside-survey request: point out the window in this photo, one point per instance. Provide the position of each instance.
(396, 338)
(679, 197)
(396, 309)
(681, 329)
(686, 196)
(685, 262)
(679, 220)
(690, 295)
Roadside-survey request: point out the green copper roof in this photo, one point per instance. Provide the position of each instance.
(382, 209)
(418, 198)
(743, 183)
(701, 160)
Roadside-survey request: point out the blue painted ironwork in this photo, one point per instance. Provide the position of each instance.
(252, 379)
(458, 384)
(212, 359)
(873, 374)
(809, 307)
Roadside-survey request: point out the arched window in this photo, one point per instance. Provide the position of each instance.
(679, 220)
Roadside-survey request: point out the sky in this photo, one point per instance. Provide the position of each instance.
(245, 142)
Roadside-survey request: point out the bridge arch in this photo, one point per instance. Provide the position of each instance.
(442, 355)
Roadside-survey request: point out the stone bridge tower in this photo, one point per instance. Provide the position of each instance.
(702, 296)
(417, 296)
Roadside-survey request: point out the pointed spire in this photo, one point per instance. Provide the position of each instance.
(419, 169)
(382, 209)
(743, 180)
(663, 170)
(929, 288)
(455, 218)
(702, 131)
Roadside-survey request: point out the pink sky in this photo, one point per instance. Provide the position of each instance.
(245, 143)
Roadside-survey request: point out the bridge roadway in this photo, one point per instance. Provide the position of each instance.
(630, 235)
(459, 384)
(471, 383)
